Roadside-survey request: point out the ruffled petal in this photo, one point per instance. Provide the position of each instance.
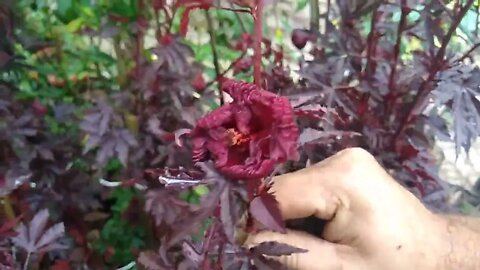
(251, 172)
(243, 117)
(217, 117)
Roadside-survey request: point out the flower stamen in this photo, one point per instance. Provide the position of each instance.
(236, 138)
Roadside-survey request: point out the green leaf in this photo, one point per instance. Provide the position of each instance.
(113, 165)
(63, 6)
(125, 8)
(75, 25)
(201, 190)
(301, 5)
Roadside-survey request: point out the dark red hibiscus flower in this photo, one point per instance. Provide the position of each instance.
(249, 136)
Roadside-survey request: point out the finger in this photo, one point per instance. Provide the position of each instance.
(306, 193)
(320, 254)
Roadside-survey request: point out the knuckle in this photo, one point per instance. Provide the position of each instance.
(353, 161)
(356, 153)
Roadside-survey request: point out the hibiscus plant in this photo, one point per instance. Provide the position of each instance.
(154, 150)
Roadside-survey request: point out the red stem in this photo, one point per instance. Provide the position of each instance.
(216, 63)
(257, 47)
(390, 98)
(371, 46)
(206, 246)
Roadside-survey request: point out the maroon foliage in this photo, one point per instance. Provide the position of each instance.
(264, 208)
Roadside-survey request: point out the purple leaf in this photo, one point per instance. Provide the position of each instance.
(457, 86)
(227, 213)
(121, 148)
(149, 260)
(50, 236)
(106, 152)
(92, 142)
(37, 225)
(299, 99)
(45, 153)
(36, 239)
(273, 248)
(309, 135)
(92, 118)
(127, 136)
(191, 252)
(264, 209)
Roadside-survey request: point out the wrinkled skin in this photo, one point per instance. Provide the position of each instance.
(249, 136)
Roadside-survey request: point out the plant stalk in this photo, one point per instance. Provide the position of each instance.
(371, 46)
(257, 47)
(213, 45)
(390, 98)
(314, 16)
(27, 261)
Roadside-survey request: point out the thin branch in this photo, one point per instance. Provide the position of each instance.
(227, 69)
(27, 261)
(446, 9)
(327, 16)
(239, 19)
(257, 47)
(402, 24)
(241, 10)
(370, 67)
(314, 16)
(478, 18)
(467, 54)
(446, 39)
(213, 44)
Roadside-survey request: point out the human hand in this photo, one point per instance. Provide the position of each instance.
(372, 221)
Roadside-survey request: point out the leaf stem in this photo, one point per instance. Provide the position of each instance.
(467, 54)
(27, 261)
(236, 10)
(390, 98)
(314, 16)
(239, 19)
(257, 47)
(213, 44)
(371, 46)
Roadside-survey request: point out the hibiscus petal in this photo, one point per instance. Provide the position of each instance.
(250, 172)
(243, 116)
(219, 150)
(217, 117)
(238, 90)
(199, 151)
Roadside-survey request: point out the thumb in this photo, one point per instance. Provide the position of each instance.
(320, 255)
